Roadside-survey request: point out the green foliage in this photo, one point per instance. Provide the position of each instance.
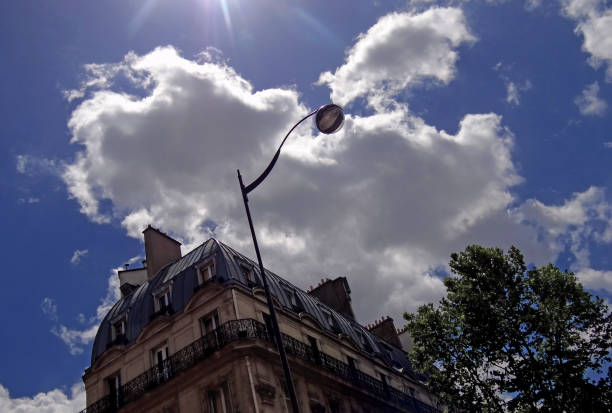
(510, 339)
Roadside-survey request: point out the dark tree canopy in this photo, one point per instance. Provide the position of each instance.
(510, 339)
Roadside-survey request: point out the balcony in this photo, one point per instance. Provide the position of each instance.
(120, 340)
(248, 329)
(211, 280)
(165, 310)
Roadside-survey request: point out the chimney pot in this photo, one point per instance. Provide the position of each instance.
(126, 266)
(336, 294)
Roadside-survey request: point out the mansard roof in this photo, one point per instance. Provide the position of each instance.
(138, 307)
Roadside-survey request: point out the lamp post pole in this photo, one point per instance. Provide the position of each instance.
(329, 119)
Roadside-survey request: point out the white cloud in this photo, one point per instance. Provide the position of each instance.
(75, 339)
(531, 5)
(77, 255)
(21, 164)
(399, 50)
(49, 308)
(54, 401)
(29, 200)
(608, 144)
(388, 197)
(595, 279)
(32, 165)
(594, 23)
(384, 201)
(513, 90)
(512, 93)
(589, 103)
(584, 217)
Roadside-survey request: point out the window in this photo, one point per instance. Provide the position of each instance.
(331, 321)
(387, 350)
(352, 363)
(410, 390)
(364, 342)
(290, 295)
(335, 405)
(118, 329)
(219, 399)
(209, 324)
(328, 317)
(385, 382)
(113, 384)
(206, 272)
(269, 328)
(249, 274)
(314, 348)
(294, 301)
(287, 399)
(163, 300)
(159, 355)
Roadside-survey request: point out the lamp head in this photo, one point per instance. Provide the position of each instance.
(330, 118)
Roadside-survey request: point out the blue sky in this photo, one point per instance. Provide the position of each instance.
(467, 122)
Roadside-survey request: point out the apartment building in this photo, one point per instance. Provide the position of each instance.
(191, 334)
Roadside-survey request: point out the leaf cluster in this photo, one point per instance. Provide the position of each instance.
(510, 339)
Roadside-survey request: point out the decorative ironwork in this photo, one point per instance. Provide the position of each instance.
(120, 340)
(165, 310)
(205, 283)
(247, 329)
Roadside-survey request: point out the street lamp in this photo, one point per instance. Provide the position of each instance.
(329, 119)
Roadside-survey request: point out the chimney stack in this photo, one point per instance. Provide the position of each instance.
(336, 294)
(386, 330)
(160, 250)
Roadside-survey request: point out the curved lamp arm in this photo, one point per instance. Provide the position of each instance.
(265, 173)
(329, 120)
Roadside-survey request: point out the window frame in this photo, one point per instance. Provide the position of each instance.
(163, 296)
(213, 316)
(218, 399)
(206, 271)
(248, 272)
(113, 387)
(122, 322)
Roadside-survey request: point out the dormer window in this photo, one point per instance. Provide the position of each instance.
(364, 342)
(331, 321)
(118, 329)
(388, 351)
(249, 274)
(206, 272)
(162, 301)
(352, 363)
(294, 300)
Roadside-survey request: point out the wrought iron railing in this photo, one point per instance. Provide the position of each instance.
(120, 340)
(245, 329)
(206, 283)
(165, 310)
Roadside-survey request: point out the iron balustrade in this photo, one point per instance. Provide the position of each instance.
(205, 283)
(120, 340)
(238, 330)
(165, 310)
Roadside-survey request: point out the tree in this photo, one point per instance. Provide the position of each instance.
(510, 339)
